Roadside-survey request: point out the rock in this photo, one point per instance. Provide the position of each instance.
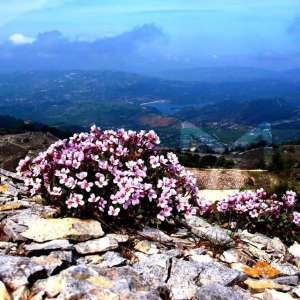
(295, 250)
(22, 293)
(257, 240)
(13, 205)
(8, 248)
(52, 245)
(215, 234)
(230, 256)
(262, 284)
(3, 292)
(287, 280)
(50, 262)
(181, 280)
(219, 292)
(13, 230)
(15, 270)
(259, 254)
(155, 234)
(275, 295)
(181, 233)
(107, 260)
(277, 246)
(111, 259)
(198, 255)
(65, 256)
(41, 230)
(194, 221)
(296, 291)
(286, 269)
(146, 247)
(98, 245)
(205, 258)
(120, 238)
(93, 259)
(219, 273)
(154, 268)
(92, 283)
(238, 266)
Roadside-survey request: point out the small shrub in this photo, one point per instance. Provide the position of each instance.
(114, 173)
(258, 211)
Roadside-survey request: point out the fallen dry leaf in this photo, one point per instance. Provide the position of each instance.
(261, 269)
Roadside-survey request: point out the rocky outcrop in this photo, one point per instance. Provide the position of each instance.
(44, 256)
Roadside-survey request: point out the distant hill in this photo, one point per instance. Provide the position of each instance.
(228, 74)
(219, 74)
(246, 113)
(11, 125)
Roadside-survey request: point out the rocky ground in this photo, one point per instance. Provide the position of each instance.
(43, 256)
(13, 147)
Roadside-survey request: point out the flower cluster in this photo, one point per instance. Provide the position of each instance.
(258, 205)
(114, 172)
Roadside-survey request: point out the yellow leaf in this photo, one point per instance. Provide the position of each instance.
(3, 188)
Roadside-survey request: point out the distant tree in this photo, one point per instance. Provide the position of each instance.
(208, 161)
(277, 161)
(223, 162)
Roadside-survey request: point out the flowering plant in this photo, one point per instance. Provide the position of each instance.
(116, 173)
(259, 211)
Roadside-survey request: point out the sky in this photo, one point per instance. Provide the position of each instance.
(133, 34)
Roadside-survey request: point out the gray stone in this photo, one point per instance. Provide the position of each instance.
(111, 259)
(230, 256)
(107, 260)
(42, 230)
(120, 238)
(296, 291)
(182, 279)
(155, 234)
(15, 270)
(259, 254)
(146, 247)
(287, 280)
(218, 273)
(215, 234)
(93, 283)
(52, 245)
(286, 269)
(194, 221)
(277, 246)
(98, 245)
(295, 250)
(65, 256)
(154, 268)
(49, 262)
(8, 248)
(219, 292)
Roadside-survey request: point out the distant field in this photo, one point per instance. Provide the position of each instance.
(234, 179)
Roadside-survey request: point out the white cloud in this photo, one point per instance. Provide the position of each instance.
(21, 39)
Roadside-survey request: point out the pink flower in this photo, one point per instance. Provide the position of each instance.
(85, 185)
(296, 218)
(81, 175)
(56, 191)
(75, 200)
(93, 198)
(113, 211)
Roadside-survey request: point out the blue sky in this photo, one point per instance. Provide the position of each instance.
(203, 32)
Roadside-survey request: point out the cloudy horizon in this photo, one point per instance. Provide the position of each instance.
(130, 34)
